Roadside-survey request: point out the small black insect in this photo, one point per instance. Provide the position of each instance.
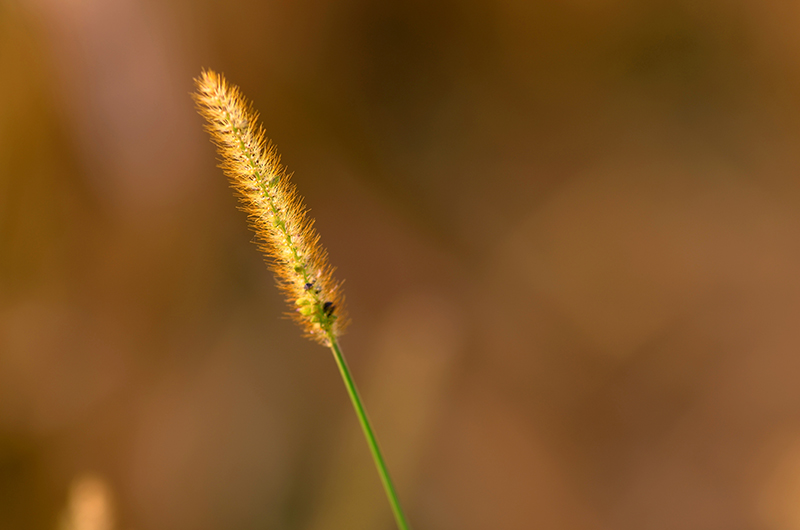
(308, 286)
(328, 308)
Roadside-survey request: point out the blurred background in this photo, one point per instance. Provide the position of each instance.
(570, 233)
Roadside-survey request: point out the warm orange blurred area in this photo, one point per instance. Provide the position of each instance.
(569, 230)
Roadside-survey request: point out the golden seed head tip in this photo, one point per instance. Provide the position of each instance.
(276, 212)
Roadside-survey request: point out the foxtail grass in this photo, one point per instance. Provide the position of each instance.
(285, 234)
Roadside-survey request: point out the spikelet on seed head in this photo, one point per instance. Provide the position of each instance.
(276, 212)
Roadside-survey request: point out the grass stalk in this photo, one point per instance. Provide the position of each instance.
(369, 434)
(285, 234)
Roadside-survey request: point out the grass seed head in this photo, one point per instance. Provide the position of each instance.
(276, 212)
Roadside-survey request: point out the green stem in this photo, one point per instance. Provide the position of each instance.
(368, 434)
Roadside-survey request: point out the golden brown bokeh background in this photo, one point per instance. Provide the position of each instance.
(570, 233)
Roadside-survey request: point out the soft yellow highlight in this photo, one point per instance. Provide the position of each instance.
(276, 212)
(90, 505)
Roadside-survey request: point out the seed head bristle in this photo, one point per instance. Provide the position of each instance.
(275, 210)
